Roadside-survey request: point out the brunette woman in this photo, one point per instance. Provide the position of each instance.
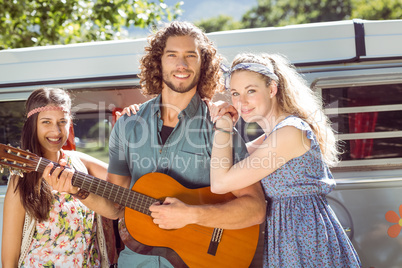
(43, 227)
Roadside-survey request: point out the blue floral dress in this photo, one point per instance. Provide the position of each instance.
(302, 230)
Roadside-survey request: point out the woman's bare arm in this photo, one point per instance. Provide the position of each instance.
(13, 222)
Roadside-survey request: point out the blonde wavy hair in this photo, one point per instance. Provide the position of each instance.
(295, 97)
(151, 64)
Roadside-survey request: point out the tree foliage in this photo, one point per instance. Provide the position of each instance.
(25, 23)
(220, 23)
(377, 9)
(270, 13)
(286, 12)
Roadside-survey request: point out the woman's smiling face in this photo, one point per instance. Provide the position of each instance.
(251, 96)
(52, 129)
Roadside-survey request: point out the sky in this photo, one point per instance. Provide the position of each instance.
(194, 10)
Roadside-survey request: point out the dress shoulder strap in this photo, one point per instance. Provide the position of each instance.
(298, 123)
(76, 161)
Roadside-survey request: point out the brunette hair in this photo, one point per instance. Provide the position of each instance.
(151, 63)
(36, 195)
(295, 97)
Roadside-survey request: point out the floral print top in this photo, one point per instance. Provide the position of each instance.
(67, 238)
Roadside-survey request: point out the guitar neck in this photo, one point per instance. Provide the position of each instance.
(110, 191)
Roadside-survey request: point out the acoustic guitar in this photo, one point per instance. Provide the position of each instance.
(190, 246)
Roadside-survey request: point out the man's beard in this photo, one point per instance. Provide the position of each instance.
(181, 89)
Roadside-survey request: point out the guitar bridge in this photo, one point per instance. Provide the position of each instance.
(215, 239)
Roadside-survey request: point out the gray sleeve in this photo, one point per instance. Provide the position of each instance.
(117, 153)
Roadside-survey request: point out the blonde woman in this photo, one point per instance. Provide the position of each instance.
(291, 160)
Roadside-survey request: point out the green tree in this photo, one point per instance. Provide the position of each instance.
(269, 13)
(286, 12)
(25, 23)
(219, 23)
(377, 9)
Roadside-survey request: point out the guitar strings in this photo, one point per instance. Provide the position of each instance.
(119, 194)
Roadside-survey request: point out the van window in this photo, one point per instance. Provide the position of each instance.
(248, 130)
(368, 120)
(92, 131)
(12, 118)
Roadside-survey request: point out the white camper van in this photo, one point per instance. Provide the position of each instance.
(356, 66)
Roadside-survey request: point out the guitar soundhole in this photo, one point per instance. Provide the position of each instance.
(139, 248)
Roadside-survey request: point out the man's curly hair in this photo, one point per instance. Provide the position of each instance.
(151, 63)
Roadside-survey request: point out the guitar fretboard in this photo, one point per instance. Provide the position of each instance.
(110, 191)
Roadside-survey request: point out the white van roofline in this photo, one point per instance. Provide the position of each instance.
(310, 44)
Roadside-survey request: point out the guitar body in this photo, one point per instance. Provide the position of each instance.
(236, 247)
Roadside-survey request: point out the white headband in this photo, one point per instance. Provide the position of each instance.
(255, 67)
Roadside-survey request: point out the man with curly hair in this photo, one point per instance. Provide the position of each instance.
(172, 134)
